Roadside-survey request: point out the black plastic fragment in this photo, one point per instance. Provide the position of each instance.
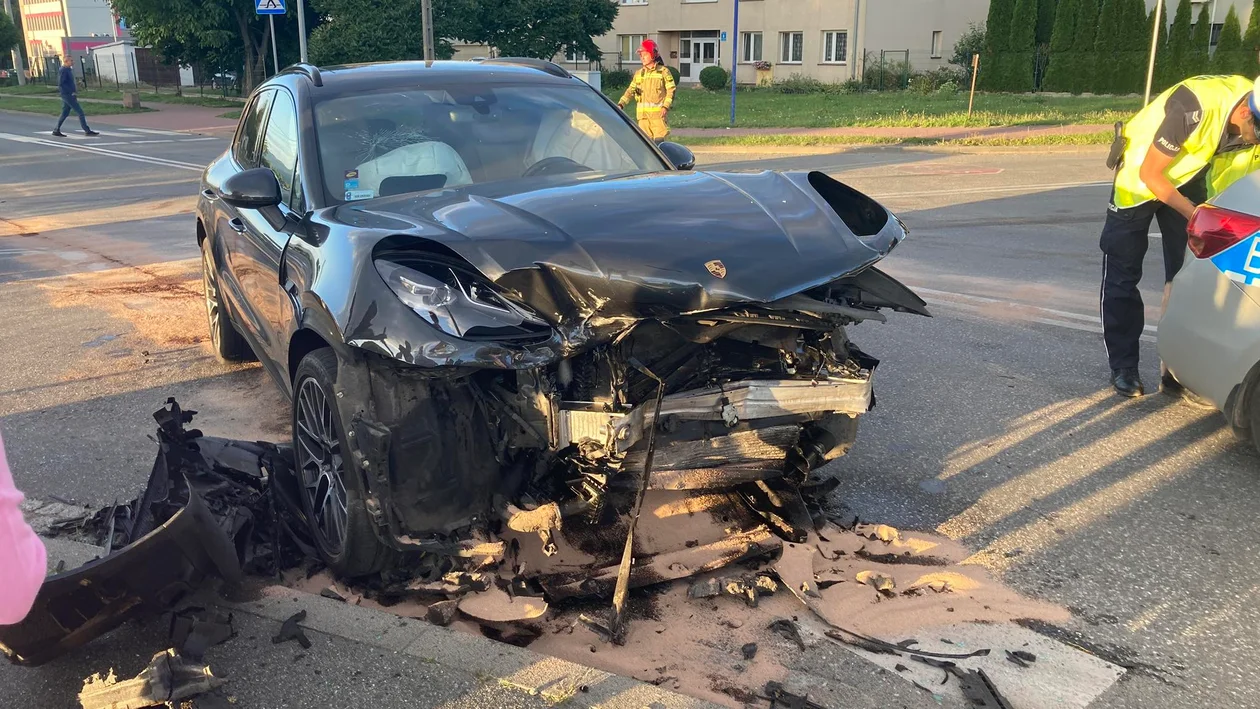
(195, 630)
(788, 629)
(749, 651)
(290, 630)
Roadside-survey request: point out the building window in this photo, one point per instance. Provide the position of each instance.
(1216, 33)
(633, 2)
(835, 47)
(936, 44)
(750, 47)
(630, 46)
(574, 56)
(792, 47)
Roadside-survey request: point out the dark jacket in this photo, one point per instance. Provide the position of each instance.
(65, 82)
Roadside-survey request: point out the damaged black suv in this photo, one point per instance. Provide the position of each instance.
(483, 287)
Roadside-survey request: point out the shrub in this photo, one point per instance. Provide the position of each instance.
(852, 86)
(714, 78)
(673, 71)
(799, 84)
(949, 88)
(615, 79)
(927, 82)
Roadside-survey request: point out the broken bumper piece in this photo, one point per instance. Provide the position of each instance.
(149, 575)
(213, 508)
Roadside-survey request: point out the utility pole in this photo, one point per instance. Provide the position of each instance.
(1156, 31)
(275, 56)
(17, 53)
(301, 8)
(426, 17)
(736, 45)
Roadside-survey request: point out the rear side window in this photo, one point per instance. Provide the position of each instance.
(279, 147)
(250, 135)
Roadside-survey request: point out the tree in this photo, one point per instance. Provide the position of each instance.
(378, 31)
(1251, 41)
(9, 36)
(1023, 47)
(219, 34)
(1083, 46)
(1046, 10)
(1135, 46)
(997, 38)
(1105, 73)
(1179, 43)
(534, 28)
(1059, 73)
(968, 45)
(1230, 57)
(1197, 61)
(1163, 55)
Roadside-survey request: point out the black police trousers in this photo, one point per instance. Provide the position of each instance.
(1124, 241)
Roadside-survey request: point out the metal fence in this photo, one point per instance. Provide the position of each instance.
(141, 71)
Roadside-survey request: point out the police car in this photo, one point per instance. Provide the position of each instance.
(1210, 335)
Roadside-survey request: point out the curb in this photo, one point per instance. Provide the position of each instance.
(553, 679)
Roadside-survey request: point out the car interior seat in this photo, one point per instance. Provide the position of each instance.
(575, 135)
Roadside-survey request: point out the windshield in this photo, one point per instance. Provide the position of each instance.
(394, 142)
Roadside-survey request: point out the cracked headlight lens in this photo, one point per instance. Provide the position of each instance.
(457, 302)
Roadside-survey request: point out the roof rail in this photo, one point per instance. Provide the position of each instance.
(310, 70)
(540, 64)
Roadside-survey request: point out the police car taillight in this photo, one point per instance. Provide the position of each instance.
(1214, 229)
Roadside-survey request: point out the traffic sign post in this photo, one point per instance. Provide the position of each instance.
(271, 8)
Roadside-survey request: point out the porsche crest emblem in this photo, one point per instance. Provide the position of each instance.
(716, 267)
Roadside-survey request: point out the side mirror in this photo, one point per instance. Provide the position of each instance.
(252, 189)
(682, 158)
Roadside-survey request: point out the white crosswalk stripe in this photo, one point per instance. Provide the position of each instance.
(136, 136)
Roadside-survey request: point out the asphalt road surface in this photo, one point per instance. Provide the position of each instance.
(995, 423)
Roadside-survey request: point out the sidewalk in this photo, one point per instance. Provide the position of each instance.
(161, 116)
(943, 133)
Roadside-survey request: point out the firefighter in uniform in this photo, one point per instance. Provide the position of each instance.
(652, 90)
(1187, 145)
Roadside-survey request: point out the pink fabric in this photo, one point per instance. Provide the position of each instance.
(23, 559)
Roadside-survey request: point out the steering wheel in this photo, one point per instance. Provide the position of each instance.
(555, 165)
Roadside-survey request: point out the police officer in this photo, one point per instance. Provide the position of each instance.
(652, 89)
(1173, 154)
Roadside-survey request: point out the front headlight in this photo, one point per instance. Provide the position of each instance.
(458, 302)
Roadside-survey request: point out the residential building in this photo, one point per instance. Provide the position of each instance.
(55, 28)
(829, 40)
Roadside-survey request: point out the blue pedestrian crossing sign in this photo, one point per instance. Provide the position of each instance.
(268, 7)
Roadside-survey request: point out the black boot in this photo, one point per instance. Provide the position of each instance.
(1127, 382)
(57, 132)
(1169, 385)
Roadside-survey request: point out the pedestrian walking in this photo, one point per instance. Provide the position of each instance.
(1178, 151)
(23, 558)
(652, 90)
(69, 98)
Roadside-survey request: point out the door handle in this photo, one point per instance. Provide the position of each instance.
(209, 194)
(236, 224)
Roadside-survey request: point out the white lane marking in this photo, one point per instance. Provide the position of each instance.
(982, 190)
(1096, 329)
(101, 151)
(152, 131)
(1155, 235)
(194, 140)
(992, 301)
(162, 140)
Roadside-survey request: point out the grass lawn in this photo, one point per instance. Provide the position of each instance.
(697, 108)
(1099, 138)
(190, 98)
(53, 108)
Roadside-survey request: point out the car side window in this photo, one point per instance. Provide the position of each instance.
(246, 149)
(280, 145)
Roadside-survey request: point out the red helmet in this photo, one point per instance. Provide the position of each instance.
(649, 46)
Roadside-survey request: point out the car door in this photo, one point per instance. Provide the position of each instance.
(230, 227)
(258, 255)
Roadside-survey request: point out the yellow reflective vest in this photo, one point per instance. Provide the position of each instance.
(1228, 168)
(1218, 95)
(651, 90)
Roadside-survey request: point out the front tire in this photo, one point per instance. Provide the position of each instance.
(228, 344)
(332, 490)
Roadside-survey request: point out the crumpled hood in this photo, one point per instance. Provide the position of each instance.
(672, 242)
